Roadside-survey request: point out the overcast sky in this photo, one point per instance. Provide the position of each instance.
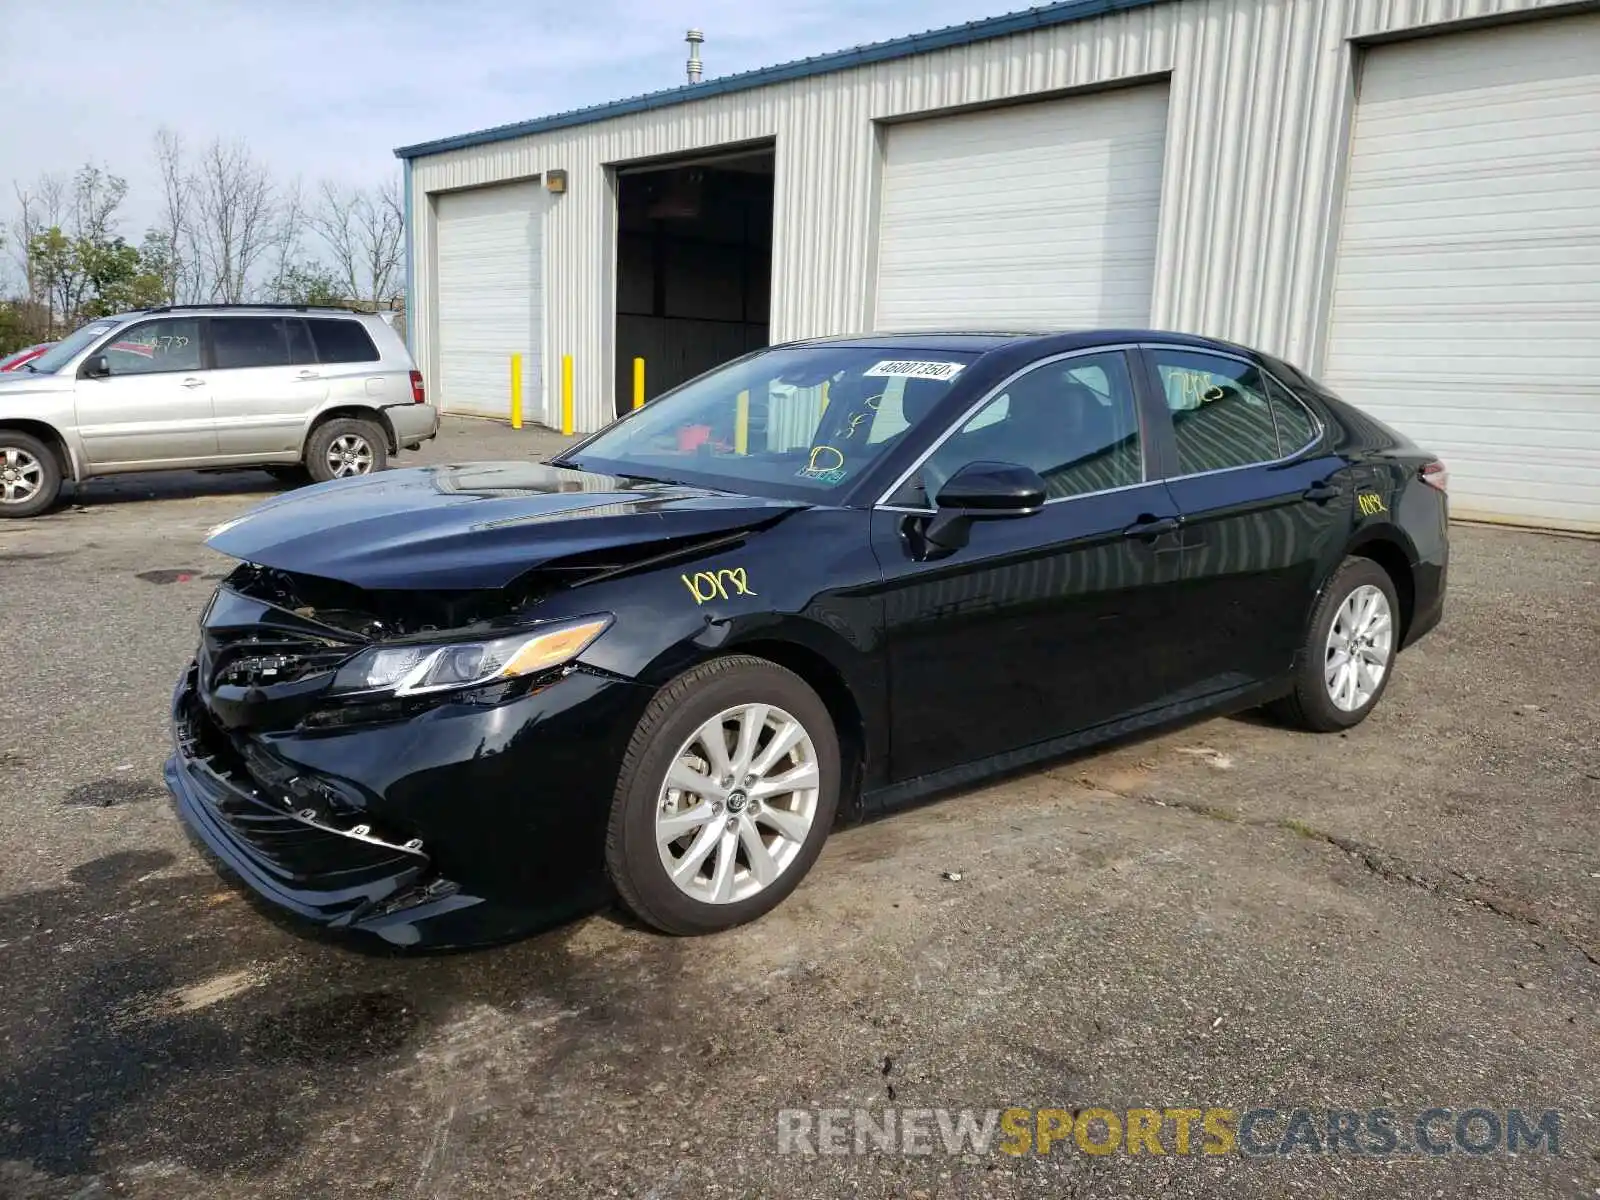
(329, 89)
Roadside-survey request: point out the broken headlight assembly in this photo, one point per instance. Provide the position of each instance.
(431, 667)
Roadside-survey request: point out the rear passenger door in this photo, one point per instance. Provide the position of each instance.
(1265, 507)
(265, 382)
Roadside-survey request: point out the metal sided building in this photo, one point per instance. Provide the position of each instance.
(1402, 196)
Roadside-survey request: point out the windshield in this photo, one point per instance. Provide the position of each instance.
(783, 423)
(69, 347)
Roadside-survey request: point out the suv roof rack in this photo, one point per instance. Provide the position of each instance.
(160, 308)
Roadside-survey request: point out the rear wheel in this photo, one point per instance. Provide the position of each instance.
(30, 475)
(345, 447)
(727, 792)
(1349, 652)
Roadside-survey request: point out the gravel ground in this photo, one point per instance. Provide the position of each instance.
(1231, 916)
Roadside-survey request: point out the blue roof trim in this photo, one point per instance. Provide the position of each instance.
(1063, 13)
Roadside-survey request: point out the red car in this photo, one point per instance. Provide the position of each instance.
(14, 361)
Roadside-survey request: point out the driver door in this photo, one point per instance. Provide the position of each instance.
(1042, 625)
(154, 408)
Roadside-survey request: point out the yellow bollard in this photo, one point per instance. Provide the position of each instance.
(566, 393)
(638, 383)
(741, 424)
(516, 391)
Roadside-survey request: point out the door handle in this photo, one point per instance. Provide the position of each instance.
(308, 375)
(1150, 528)
(1321, 492)
(192, 382)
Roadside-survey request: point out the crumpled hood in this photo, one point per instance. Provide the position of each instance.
(477, 525)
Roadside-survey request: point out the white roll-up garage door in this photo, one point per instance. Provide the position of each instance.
(490, 302)
(1466, 308)
(1035, 216)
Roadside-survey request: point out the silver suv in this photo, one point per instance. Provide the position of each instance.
(289, 388)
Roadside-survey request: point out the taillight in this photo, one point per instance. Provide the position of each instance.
(1436, 475)
(418, 395)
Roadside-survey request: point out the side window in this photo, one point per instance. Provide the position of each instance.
(342, 341)
(1074, 421)
(301, 351)
(248, 342)
(1220, 413)
(155, 347)
(1296, 428)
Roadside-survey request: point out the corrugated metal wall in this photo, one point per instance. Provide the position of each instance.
(1262, 94)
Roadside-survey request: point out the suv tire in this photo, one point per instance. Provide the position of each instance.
(30, 475)
(345, 447)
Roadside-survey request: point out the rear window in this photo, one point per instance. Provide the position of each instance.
(342, 341)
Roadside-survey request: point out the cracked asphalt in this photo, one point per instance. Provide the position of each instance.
(1231, 915)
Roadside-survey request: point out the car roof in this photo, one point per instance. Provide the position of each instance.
(980, 341)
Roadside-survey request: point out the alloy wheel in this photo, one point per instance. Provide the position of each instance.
(1360, 644)
(738, 803)
(349, 454)
(21, 476)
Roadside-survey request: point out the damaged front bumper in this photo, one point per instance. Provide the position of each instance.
(463, 824)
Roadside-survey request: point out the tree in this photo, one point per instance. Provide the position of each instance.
(235, 207)
(41, 207)
(364, 231)
(224, 231)
(120, 278)
(179, 280)
(308, 282)
(58, 272)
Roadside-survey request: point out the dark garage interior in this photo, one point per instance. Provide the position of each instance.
(694, 266)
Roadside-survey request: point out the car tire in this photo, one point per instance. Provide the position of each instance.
(30, 475)
(722, 887)
(346, 447)
(1329, 696)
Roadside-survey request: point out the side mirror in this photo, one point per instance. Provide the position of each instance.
(97, 367)
(982, 491)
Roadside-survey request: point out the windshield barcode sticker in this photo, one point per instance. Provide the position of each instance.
(891, 368)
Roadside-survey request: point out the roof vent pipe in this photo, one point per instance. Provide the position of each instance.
(694, 37)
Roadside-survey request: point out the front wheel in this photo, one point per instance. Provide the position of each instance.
(1349, 651)
(726, 794)
(30, 475)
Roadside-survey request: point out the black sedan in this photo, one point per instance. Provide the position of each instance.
(442, 704)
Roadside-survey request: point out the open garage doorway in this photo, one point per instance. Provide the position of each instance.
(694, 265)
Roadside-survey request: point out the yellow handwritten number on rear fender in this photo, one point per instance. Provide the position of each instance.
(1371, 504)
(714, 585)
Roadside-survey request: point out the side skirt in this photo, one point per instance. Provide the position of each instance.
(1013, 762)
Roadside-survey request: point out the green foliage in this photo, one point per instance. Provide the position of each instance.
(308, 283)
(86, 277)
(16, 330)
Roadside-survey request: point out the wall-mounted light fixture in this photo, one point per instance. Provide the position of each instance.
(555, 181)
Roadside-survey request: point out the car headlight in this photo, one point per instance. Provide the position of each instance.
(444, 666)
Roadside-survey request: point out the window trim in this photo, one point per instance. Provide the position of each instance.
(998, 390)
(121, 331)
(1319, 428)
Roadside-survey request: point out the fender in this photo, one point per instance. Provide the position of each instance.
(358, 412)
